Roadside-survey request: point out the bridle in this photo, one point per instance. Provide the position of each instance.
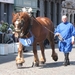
(21, 23)
(21, 34)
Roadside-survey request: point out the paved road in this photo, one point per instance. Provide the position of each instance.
(8, 66)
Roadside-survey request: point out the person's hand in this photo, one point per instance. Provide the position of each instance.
(72, 42)
(57, 34)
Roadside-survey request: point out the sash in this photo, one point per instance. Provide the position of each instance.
(27, 41)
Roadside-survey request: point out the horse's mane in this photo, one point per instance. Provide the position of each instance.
(23, 15)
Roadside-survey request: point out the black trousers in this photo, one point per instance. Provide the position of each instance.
(66, 60)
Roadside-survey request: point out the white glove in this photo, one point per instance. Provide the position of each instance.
(59, 36)
(72, 39)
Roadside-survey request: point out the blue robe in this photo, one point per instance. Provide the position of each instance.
(66, 30)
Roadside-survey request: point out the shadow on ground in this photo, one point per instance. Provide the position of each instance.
(56, 64)
(11, 57)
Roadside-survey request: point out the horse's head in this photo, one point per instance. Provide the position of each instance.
(21, 22)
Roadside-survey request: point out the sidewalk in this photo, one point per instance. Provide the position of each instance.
(8, 64)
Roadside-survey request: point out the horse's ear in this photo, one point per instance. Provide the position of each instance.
(13, 14)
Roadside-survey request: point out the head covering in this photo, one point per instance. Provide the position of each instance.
(64, 16)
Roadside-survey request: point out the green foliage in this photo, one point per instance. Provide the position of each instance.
(4, 27)
(12, 26)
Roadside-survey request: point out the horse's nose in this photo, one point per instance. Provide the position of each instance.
(17, 29)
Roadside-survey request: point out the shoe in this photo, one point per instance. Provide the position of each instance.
(65, 63)
(68, 62)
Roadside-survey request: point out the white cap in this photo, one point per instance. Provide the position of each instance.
(64, 16)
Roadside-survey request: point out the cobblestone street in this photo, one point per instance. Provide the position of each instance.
(8, 64)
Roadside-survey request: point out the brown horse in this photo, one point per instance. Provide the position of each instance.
(41, 28)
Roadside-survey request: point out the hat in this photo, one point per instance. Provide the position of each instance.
(64, 16)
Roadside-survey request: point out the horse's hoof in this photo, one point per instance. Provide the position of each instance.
(19, 65)
(35, 64)
(55, 58)
(42, 62)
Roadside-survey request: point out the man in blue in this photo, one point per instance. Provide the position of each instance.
(65, 32)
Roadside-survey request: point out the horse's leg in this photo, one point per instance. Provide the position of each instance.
(19, 58)
(54, 54)
(36, 60)
(42, 59)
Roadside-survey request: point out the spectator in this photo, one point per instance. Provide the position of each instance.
(9, 36)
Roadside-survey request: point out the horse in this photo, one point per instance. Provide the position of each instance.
(42, 28)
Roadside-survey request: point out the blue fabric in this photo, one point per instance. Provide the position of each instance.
(27, 41)
(66, 30)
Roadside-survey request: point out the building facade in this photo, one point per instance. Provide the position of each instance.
(68, 8)
(47, 8)
(20, 4)
(6, 9)
(51, 9)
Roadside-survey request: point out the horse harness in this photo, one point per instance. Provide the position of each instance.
(29, 26)
(22, 25)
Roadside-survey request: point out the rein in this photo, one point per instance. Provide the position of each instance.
(48, 29)
(30, 25)
(43, 26)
